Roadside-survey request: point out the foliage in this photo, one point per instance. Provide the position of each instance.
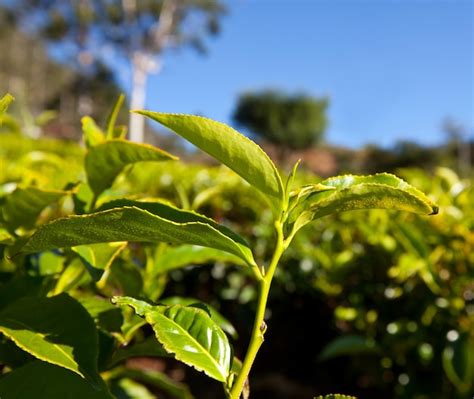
(134, 32)
(65, 261)
(295, 122)
(56, 87)
(126, 27)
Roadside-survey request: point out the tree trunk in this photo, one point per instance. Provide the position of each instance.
(137, 98)
(144, 63)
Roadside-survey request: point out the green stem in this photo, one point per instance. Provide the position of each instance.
(259, 326)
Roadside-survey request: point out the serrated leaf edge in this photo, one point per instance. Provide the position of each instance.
(20, 345)
(165, 346)
(260, 149)
(420, 199)
(89, 215)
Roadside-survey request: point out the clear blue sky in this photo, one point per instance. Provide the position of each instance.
(393, 69)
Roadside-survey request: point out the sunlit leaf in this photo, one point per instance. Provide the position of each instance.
(228, 146)
(106, 160)
(5, 102)
(57, 330)
(112, 119)
(154, 222)
(347, 193)
(99, 257)
(92, 134)
(223, 323)
(190, 334)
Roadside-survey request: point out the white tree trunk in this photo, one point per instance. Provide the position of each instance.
(137, 98)
(144, 63)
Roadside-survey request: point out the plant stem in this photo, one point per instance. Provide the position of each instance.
(259, 326)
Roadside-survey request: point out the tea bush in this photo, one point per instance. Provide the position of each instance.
(74, 238)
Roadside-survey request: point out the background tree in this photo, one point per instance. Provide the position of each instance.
(120, 32)
(290, 121)
(56, 87)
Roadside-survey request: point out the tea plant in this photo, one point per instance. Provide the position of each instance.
(58, 330)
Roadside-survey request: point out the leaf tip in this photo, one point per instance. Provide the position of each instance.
(435, 210)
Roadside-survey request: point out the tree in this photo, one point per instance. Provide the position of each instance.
(129, 32)
(55, 87)
(295, 122)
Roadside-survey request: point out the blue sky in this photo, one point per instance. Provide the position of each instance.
(393, 69)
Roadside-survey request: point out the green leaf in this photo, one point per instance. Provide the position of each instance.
(71, 277)
(228, 146)
(106, 160)
(141, 308)
(112, 119)
(125, 388)
(223, 323)
(23, 206)
(57, 330)
(347, 193)
(92, 134)
(99, 257)
(5, 102)
(186, 255)
(40, 380)
(19, 287)
(190, 334)
(458, 363)
(154, 222)
(6, 238)
(48, 263)
(11, 355)
(124, 277)
(106, 316)
(194, 338)
(348, 345)
(150, 347)
(159, 380)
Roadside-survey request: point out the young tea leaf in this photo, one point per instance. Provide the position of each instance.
(194, 338)
(5, 102)
(99, 257)
(91, 133)
(347, 193)
(189, 333)
(223, 323)
(141, 308)
(228, 146)
(112, 119)
(106, 160)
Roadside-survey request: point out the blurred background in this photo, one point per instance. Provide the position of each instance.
(374, 304)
